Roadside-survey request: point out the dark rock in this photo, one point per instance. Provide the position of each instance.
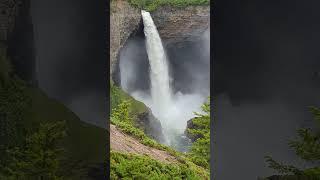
(18, 36)
(190, 125)
(150, 125)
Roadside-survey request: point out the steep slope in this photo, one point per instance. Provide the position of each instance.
(84, 141)
(124, 143)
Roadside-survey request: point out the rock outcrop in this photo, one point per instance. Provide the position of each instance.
(150, 125)
(190, 125)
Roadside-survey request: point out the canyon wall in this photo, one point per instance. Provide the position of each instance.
(124, 19)
(175, 25)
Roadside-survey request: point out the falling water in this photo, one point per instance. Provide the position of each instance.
(159, 74)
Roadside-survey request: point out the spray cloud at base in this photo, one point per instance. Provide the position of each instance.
(172, 84)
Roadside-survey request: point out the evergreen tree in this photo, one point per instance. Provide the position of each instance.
(306, 147)
(39, 158)
(200, 149)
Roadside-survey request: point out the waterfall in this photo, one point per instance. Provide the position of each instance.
(159, 71)
(173, 110)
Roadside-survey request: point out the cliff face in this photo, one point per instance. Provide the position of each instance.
(124, 19)
(175, 25)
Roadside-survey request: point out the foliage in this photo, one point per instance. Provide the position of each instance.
(200, 149)
(40, 157)
(13, 104)
(117, 95)
(23, 108)
(151, 5)
(120, 117)
(306, 146)
(129, 166)
(5, 68)
(281, 168)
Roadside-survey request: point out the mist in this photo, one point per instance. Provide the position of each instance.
(71, 58)
(189, 77)
(265, 77)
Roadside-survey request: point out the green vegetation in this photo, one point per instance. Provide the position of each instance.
(307, 147)
(13, 104)
(120, 117)
(24, 108)
(39, 157)
(126, 166)
(200, 149)
(117, 96)
(130, 166)
(151, 5)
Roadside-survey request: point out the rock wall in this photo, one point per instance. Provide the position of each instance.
(124, 20)
(175, 25)
(181, 24)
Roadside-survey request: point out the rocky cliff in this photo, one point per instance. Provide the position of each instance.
(124, 19)
(175, 25)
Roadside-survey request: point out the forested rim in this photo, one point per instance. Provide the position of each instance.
(152, 5)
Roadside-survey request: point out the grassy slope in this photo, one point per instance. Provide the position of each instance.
(117, 95)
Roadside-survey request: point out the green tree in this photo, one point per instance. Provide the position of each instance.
(39, 158)
(200, 149)
(306, 147)
(13, 103)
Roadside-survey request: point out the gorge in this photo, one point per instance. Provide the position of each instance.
(173, 80)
